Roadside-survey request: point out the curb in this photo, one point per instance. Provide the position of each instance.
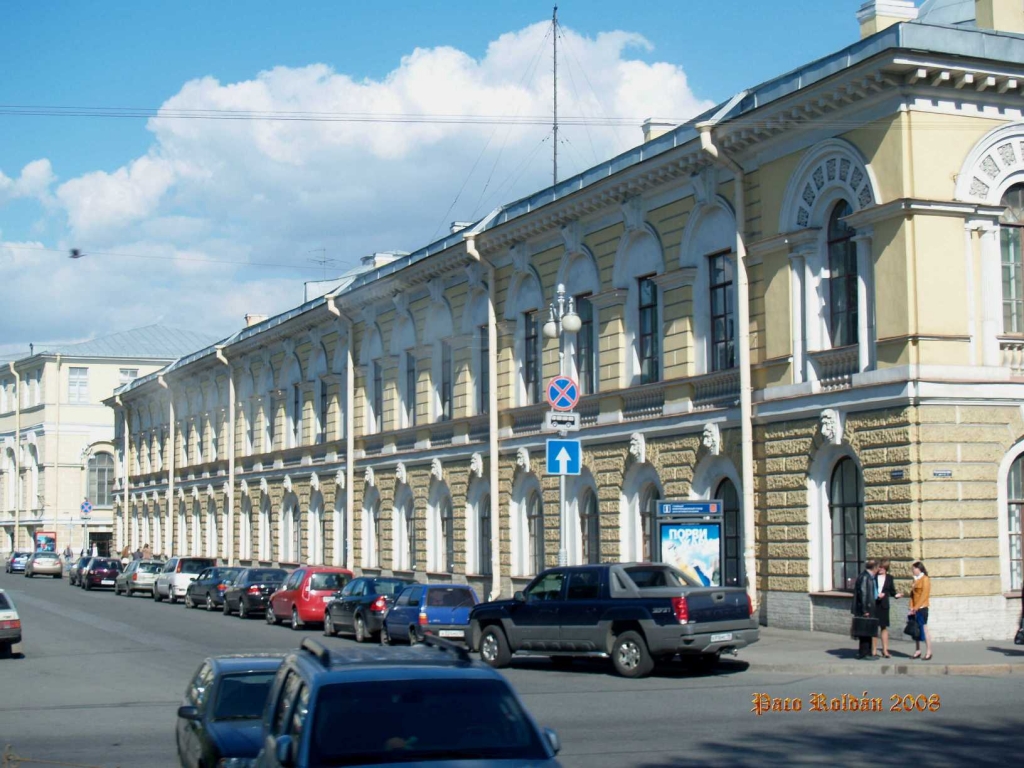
(892, 670)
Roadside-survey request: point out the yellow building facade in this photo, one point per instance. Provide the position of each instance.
(807, 303)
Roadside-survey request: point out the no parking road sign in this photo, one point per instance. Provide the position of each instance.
(564, 457)
(563, 393)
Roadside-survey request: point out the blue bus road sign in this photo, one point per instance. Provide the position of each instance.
(564, 457)
(690, 507)
(563, 393)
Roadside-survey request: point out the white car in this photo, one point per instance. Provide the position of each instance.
(177, 574)
(10, 624)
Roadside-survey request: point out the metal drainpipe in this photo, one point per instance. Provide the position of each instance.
(492, 413)
(17, 453)
(229, 535)
(170, 466)
(350, 437)
(743, 320)
(127, 468)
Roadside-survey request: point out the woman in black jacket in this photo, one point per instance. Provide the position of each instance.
(886, 589)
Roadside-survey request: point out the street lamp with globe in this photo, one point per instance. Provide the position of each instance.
(562, 318)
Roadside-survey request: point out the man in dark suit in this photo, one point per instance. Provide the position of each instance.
(865, 595)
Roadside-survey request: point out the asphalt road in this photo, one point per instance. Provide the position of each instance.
(99, 677)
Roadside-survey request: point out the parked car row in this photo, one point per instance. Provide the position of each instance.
(430, 705)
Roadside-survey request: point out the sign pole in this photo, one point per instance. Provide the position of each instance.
(562, 559)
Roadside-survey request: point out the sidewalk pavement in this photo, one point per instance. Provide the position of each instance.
(824, 653)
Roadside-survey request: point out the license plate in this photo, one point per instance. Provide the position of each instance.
(451, 633)
(328, 598)
(107, 582)
(721, 637)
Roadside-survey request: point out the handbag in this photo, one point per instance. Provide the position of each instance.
(864, 626)
(913, 628)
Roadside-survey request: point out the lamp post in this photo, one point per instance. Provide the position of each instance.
(562, 318)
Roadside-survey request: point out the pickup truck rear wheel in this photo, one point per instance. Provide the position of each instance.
(630, 655)
(494, 648)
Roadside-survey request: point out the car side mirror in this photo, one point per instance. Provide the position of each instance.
(553, 740)
(519, 597)
(188, 713)
(283, 751)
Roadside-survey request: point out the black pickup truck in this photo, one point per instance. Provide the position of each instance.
(634, 613)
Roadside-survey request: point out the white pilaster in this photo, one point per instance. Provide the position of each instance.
(865, 300)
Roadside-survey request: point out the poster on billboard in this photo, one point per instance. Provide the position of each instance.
(695, 549)
(46, 541)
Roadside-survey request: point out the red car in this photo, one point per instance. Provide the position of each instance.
(305, 593)
(99, 572)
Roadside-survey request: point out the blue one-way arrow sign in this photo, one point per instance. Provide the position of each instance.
(564, 457)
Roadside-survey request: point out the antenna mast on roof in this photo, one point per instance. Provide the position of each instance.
(323, 261)
(554, 143)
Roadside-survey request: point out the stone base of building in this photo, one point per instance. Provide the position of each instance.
(951, 619)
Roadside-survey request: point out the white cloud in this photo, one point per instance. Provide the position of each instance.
(260, 191)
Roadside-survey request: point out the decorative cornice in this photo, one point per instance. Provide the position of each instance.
(676, 278)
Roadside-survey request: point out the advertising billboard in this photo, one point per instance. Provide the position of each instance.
(46, 541)
(695, 549)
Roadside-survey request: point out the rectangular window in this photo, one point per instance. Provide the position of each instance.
(378, 397)
(127, 375)
(78, 385)
(323, 413)
(585, 345)
(650, 367)
(410, 389)
(723, 319)
(1013, 279)
(447, 385)
(296, 414)
(531, 358)
(484, 373)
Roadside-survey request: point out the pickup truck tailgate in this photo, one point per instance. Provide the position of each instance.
(706, 605)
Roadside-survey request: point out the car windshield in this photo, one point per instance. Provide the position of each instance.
(221, 573)
(266, 576)
(82, 561)
(406, 721)
(319, 581)
(45, 556)
(650, 576)
(106, 565)
(150, 567)
(241, 697)
(195, 566)
(389, 587)
(5, 604)
(450, 597)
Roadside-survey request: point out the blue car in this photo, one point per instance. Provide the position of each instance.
(430, 705)
(441, 610)
(221, 717)
(16, 562)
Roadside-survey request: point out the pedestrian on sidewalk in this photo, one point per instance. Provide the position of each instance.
(147, 552)
(886, 589)
(919, 597)
(865, 599)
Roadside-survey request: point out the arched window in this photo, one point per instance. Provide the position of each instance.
(196, 524)
(590, 524)
(291, 532)
(448, 535)
(264, 532)
(180, 544)
(648, 514)
(849, 541)
(317, 530)
(245, 535)
(842, 278)
(535, 529)
(101, 479)
(1011, 227)
(212, 533)
(484, 535)
(371, 533)
(1014, 505)
(730, 499)
(340, 531)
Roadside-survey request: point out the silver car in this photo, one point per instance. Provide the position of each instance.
(44, 564)
(139, 576)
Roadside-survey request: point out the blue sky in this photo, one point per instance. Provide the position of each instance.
(96, 194)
